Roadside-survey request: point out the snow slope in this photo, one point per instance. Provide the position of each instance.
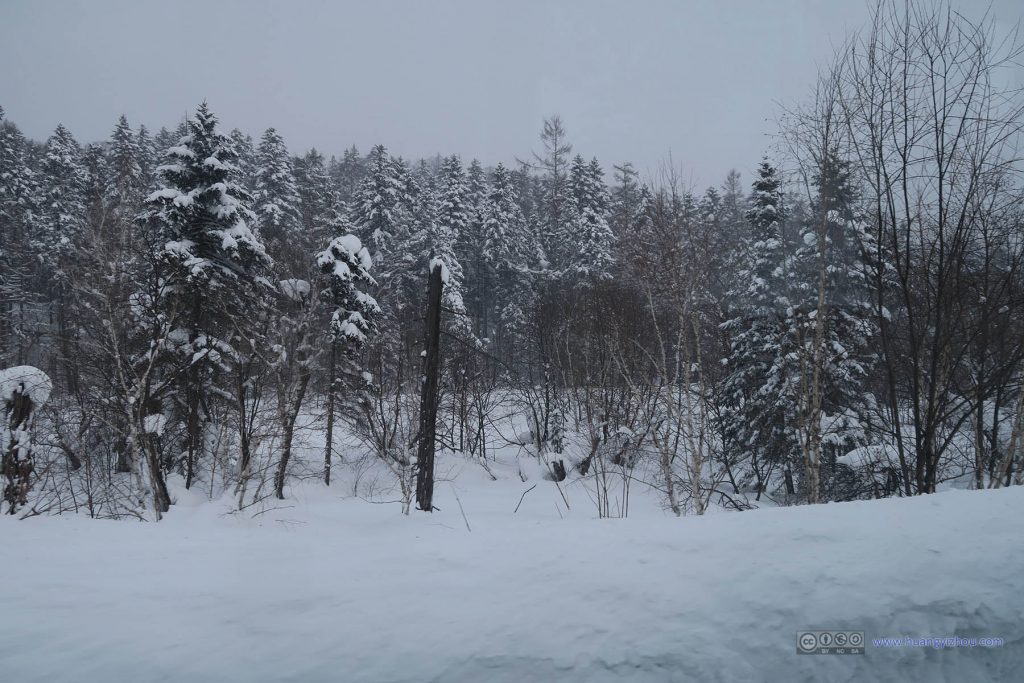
(338, 589)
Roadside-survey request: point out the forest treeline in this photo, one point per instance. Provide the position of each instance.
(848, 323)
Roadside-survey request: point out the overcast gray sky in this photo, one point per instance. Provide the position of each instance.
(632, 79)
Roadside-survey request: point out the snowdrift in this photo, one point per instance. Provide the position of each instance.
(327, 588)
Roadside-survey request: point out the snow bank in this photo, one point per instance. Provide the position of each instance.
(25, 378)
(332, 589)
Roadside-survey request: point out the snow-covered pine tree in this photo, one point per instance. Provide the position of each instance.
(554, 198)
(732, 218)
(760, 403)
(451, 221)
(62, 202)
(587, 240)
(630, 220)
(209, 259)
(469, 246)
(379, 202)
(831, 324)
(476, 191)
(345, 265)
(345, 269)
(162, 141)
(347, 173)
(245, 159)
(712, 244)
(276, 199)
(147, 149)
(61, 227)
(125, 182)
(17, 214)
(319, 204)
(509, 254)
(97, 173)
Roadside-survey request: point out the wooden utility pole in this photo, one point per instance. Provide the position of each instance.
(428, 397)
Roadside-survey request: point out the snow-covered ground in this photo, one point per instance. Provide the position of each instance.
(328, 587)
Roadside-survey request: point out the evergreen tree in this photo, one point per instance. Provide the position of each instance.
(453, 212)
(831, 322)
(732, 218)
(379, 202)
(345, 265)
(451, 220)
(476, 191)
(162, 141)
(760, 403)
(125, 181)
(469, 246)
(17, 214)
(509, 252)
(209, 260)
(62, 223)
(587, 241)
(277, 200)
(147, 150)
(345, 271)
(245, 159)
(347, 173)
(97, 187)
(62, 203)
(552, 209)
(318, 201)
(630, 220)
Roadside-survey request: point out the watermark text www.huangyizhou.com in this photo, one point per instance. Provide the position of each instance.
(937, 643)
(850, 642)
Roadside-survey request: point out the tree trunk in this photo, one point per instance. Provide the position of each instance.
(332, 389)
(289, 433)
(428, 398)
(245, 447)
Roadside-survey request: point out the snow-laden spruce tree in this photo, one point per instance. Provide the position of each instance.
(550, 212)
(451, 219)
(831, 324)
(209, 262)
(345, 267)
(630, 220)
(732, 220)
(147, 149)
(163, 140)
(469, 246)
(476, 189)
(587, 240)
(509, 253)
(378, 204)
(62, 222)
(760, 403)
(245, 159)
(62, 201)
(320, 206)
(276, 199)
(347, 173)
(125, 181)
(124, 188)
(17, 214)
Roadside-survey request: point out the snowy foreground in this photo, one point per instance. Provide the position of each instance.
(338, 589)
